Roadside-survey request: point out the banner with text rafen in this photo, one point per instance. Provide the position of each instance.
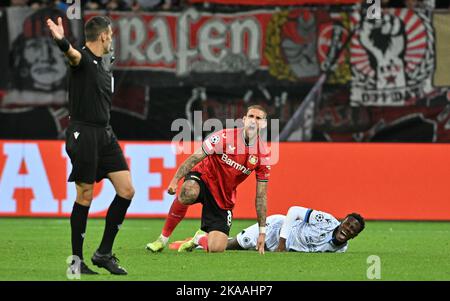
(277, 2)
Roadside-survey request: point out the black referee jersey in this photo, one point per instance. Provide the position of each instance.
(91, 85)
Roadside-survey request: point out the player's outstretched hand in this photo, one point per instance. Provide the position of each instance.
(260, 243)
(57, 30)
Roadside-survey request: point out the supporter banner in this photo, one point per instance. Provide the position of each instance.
(428, 120)
(37, 68)
(277, 2)
(380, 181)
(190, 41)
(441, 23)
(169, 64)
(273, 45)
(392, 59)
(34, 70)
(302, 43)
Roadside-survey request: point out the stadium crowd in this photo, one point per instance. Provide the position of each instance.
(148, 5)
(120, 5)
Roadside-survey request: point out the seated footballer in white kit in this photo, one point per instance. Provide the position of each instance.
(301, 230)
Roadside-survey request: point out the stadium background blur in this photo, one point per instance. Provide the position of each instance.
(372, 138)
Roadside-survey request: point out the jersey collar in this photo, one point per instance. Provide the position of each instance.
(243, 138)
(91, 53)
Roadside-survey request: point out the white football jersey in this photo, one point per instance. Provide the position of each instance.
(312, 234)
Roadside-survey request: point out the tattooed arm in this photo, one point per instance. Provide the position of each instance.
(183, 170)
(261, 211)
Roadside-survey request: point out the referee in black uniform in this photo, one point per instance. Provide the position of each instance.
(90, 142)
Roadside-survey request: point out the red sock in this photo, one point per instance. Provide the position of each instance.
(203, 241)
(176, 214)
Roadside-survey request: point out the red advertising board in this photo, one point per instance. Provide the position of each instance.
(380, 181)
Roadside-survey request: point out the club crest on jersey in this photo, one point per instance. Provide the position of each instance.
(253, 159)
(214, 139)
(319, 217)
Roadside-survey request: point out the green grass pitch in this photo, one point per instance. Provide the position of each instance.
(36, 249)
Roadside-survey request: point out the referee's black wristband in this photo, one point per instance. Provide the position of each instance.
(63, 44)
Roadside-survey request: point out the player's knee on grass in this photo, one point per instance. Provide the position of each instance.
(189, 192)
(217, 242)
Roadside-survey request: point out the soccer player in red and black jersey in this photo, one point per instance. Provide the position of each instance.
(211, 175)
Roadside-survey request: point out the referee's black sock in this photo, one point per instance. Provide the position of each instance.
(78, 221)
(114, 218)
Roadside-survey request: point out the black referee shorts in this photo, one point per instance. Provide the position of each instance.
(94, 152)
(214, 218)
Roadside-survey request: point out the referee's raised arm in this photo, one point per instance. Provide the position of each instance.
(57, 31)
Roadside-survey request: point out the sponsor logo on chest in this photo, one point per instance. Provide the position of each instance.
(235, 165)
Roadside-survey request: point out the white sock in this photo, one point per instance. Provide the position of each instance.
(164, 239)
(197, 238)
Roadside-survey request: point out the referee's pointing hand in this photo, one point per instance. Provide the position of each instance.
(56, 30)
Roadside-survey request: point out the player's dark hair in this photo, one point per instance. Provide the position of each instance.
(256, 107)
(360, 220)
(95, 26)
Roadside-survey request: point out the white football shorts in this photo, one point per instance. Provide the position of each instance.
(248, 237)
